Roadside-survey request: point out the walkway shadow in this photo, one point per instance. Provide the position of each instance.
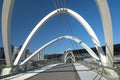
(62, 66)
(59, 71)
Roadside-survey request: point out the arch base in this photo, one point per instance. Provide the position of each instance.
(6, 71)
(111, 74)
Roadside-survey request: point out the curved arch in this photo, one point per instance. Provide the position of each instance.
(70, 58)
(6, 21)
(66, 57)
(77, 17)
(60, 38)
(107, 27)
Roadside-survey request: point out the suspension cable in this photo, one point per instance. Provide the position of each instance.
(62, 4)
(75, 46)
(58, 4)
(70, 30)
(54, 2)
(67, 22)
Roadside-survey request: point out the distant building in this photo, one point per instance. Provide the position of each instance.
(117, 49)
(77, 53)
(14, 51)
(83, 53)
(51, 56)
(2, 56)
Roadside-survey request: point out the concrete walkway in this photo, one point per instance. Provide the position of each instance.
(59, 72)
(23, 76)
(87, 74)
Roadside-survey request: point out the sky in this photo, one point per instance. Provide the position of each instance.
(27, 13)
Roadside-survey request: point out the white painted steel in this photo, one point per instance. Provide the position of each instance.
(107, 26)
(60, 38)
(70, 57)
(87, 74)
(66, 57)
(6, 20)
(108, 34)
(77, 17)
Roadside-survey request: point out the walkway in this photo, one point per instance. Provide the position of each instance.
(59, 72)
(87, 74)
(23, 76)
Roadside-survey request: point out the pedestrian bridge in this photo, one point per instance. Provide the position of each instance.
(17, 69)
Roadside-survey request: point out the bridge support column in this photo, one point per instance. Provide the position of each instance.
(6, 20)
(6, 15)
(6, 71)
(107, 26)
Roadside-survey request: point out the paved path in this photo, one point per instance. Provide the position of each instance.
(23, 76)
(87, 74)
(59, 72)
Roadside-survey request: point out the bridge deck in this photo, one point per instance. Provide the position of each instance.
(60, 72)
(86, 73)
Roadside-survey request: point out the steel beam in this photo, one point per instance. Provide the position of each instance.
(90, 51)
(6, 21)
(107, 26)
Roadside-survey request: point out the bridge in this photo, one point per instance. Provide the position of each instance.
(67, 68)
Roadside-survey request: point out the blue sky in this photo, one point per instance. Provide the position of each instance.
(27, 13)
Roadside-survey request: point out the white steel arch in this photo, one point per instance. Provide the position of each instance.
(77, 17)
(107, 27)
(6, 21)
(60, 38)
(66, 57)
(70, 58)
(108, 35)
